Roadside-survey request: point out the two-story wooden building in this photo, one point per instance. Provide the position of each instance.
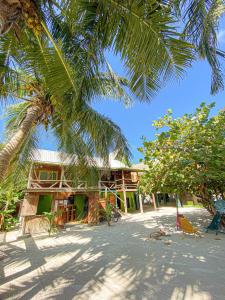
(48, 189)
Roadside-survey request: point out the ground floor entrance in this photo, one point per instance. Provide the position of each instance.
(74, 207)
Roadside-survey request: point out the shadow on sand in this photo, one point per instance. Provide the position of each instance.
(117, 262)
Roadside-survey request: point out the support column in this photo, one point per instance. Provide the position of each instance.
(124, 194)
(62, 177)
(125, 200)
(141, 203)
(93, 208)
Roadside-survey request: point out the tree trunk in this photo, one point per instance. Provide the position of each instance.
(206, 199)
(10, 11)
(10, 150)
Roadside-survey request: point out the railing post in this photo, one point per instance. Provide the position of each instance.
(62, 176)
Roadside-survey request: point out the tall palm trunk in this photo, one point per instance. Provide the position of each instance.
(10, 10)
(13, 146)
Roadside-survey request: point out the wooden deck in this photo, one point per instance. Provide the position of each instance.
(37, 185)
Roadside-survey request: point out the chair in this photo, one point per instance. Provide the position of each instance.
(186, 226)
(216, 223)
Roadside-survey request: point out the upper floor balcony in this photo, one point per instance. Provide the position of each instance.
(69, 185)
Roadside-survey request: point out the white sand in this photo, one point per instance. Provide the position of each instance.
(117, 262)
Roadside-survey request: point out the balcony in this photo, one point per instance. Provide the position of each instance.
(69, 185)
(38, 184)
(119, 185)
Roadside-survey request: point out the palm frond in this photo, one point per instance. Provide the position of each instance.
(145, 36)
(84, 135)
(201, 19)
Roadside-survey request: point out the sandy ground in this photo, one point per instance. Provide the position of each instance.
(117, 262)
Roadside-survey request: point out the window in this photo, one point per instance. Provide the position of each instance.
(48, 175)
(43, 175)
(134, 176)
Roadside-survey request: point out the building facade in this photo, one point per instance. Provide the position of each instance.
(49, 189)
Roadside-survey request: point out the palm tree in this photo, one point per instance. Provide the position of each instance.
(141, 32)
(64, 42)
(79, 129)
(67, 55)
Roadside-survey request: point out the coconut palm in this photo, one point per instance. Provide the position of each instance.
(67, 55)
(141, 32)
(79, 129)
(141, 37)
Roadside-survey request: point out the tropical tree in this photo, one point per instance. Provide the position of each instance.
(141, 32)
(188, 157)
(64, 49)
(79, 129)
(64, 43)
(11, 192)
(135, 29)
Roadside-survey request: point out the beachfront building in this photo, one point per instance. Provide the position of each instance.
(49, 189)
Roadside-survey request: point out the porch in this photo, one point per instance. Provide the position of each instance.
(70, 185)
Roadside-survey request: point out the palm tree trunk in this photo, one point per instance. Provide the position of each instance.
(9, 13)
(10, 150)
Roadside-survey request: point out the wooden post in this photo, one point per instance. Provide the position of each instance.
(93, 209)
(62, 177)
(141, 203)
(105, 193)
(124, 194)
(125, 200)
(154, 202)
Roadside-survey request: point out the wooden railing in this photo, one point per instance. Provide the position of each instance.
(56, 184)
(81, 185)
(119, 184)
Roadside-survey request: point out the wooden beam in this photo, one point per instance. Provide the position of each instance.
(62, 177)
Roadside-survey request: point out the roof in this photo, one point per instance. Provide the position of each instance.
(141, 167)
(58, 158)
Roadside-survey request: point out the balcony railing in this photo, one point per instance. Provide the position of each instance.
(119, 184)
(56, 184)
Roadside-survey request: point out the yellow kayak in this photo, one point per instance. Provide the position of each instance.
(186, 226)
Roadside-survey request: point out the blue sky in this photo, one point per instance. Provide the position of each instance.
(181, 96)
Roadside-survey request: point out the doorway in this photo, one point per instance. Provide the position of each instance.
(81, 206)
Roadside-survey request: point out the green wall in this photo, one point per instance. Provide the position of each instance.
(79, 202)
(44, 204)
(131, 197)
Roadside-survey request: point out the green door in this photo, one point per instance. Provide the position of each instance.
(44, 204)
(80, 205)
